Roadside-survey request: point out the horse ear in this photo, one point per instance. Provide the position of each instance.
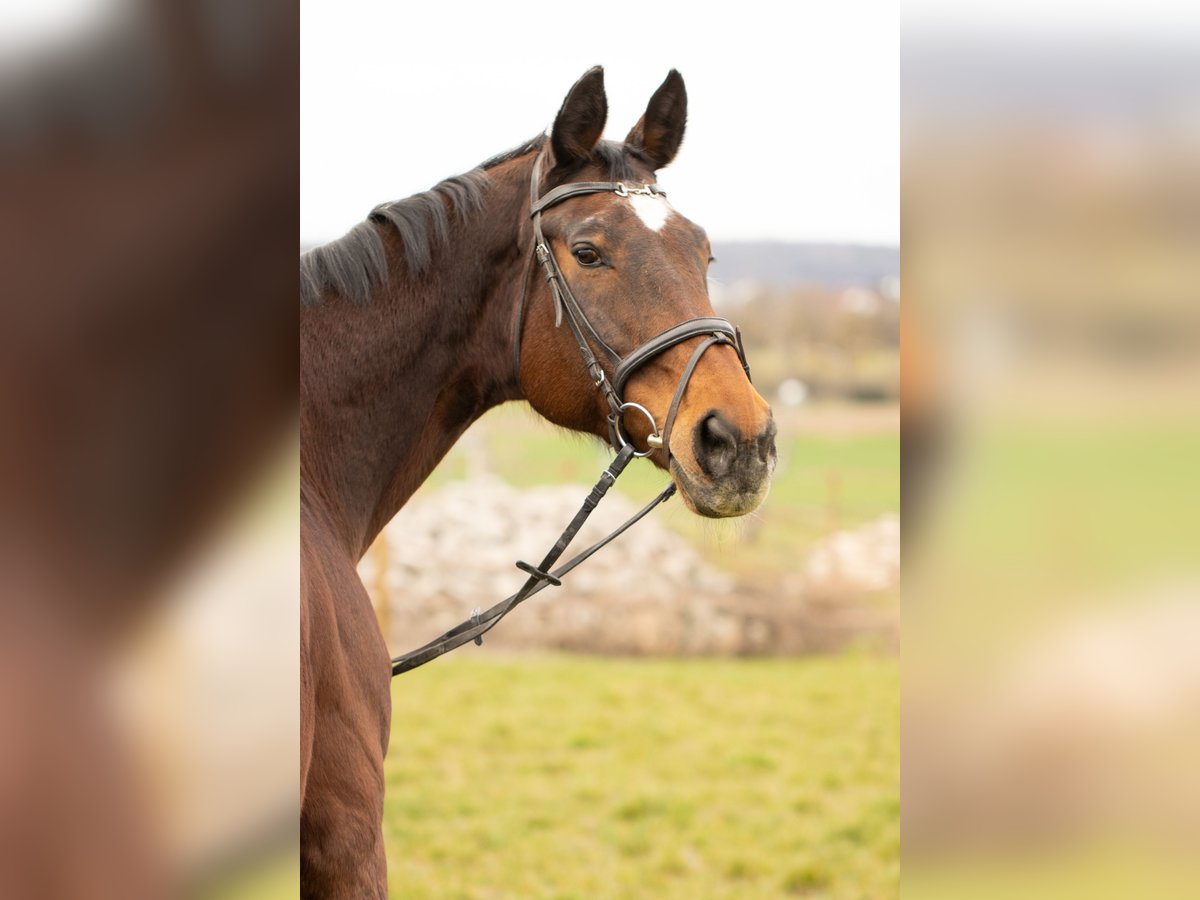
(659, 132)
(580, 121)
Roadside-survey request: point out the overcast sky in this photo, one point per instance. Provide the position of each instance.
(793, 127)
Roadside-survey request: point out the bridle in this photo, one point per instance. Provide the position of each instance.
(714, 330)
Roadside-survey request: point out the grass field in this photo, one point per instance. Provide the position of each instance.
(592, 778)
(577, 777)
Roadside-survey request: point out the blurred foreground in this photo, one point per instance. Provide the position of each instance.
(1051, 361)
(148, 168)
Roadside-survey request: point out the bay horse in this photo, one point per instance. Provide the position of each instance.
(430, 313)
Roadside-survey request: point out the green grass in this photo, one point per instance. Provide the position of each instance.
(275, 876)
(1049, 518)
(1097, 869)
(593, 778)
(1102, 501)
(578, 777)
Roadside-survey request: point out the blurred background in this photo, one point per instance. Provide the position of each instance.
(1052, 647)
(704, 709)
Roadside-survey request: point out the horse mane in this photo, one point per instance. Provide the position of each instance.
(355, 265)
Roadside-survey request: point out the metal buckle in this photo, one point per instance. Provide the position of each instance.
(654, 440)
(623, 191)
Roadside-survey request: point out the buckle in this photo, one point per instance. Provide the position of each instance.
(539, 574)
(646, 190)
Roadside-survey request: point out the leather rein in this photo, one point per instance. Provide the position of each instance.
(714, 331)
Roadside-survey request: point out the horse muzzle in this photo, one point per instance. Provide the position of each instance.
(734, 470)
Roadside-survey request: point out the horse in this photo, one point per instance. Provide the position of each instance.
(433, 311)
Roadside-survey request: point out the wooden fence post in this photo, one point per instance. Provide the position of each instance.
(379, 588)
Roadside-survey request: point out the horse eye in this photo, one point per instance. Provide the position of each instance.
(587, 256)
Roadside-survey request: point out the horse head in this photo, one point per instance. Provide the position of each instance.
(627, 273)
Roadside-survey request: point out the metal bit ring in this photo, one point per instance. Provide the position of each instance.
(654, 440)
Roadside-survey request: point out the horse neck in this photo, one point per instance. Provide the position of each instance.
(388, 387)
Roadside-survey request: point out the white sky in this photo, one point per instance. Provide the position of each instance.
(793, 127)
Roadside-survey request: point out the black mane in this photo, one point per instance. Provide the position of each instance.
(355, 264)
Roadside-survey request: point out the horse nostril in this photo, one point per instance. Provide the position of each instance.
(766, 443)
(716, 445)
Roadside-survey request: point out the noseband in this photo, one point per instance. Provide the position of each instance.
(714, 330)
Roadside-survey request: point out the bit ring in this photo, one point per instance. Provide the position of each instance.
(654, 440)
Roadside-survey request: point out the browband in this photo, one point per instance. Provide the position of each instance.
(564, 191)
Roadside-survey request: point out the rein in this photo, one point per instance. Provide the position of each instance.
(480, 623)
(714, 330)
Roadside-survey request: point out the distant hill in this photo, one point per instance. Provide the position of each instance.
(786, 264)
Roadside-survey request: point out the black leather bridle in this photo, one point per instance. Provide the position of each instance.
(714, 331)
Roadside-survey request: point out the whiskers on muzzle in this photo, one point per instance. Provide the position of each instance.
(735, 471)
